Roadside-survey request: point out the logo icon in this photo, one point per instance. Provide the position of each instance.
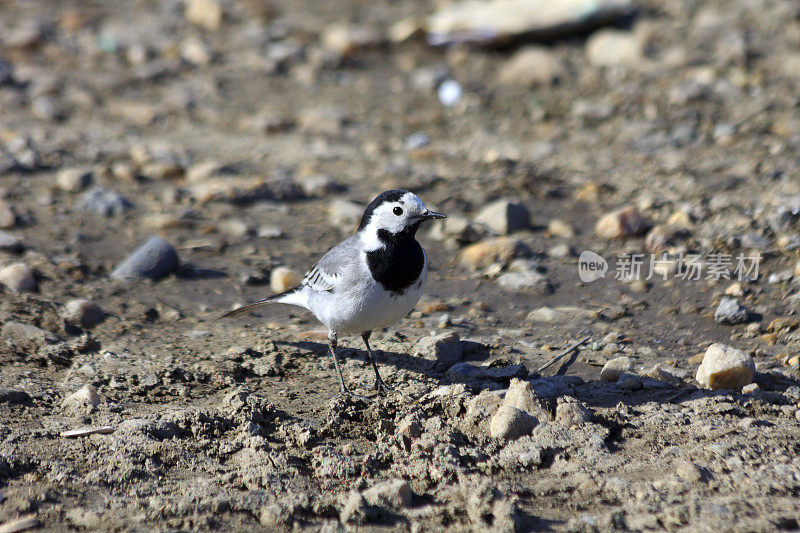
(591, 266)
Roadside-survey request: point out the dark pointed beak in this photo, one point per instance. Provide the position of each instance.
(431, 215)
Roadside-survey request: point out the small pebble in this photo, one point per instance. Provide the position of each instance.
(74, 179)
(614, 368)
(730, 311)
(204, 13)
(283, 278)
(84, 313)
(446, 348)
(152, 260)
(18, 277)
(10, 243)
(450, 93)
(500, 249)
(84, 397)
(504, 216)
(102, 201)
(626, 222)
(8, 217)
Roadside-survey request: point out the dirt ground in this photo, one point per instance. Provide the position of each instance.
(241, 139)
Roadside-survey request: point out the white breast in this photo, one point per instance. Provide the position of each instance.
(366, 305)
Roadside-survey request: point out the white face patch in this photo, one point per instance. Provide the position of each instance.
(393, 217)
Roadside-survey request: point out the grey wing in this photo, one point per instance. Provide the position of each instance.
(334, 267)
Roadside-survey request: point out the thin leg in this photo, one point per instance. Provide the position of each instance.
(342, 388)
(379, 383)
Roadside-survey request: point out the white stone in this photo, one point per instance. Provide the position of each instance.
(18, 277)
(532, 65)
(504, 216)
(613, 47)
(531, 281)
(559, 228)
(205, 13)
(614, 368)
(86, 396)
(73, 179)
(724, 367)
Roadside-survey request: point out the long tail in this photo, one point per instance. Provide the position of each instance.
(285, 297)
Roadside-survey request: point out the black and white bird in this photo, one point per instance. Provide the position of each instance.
(370, 280)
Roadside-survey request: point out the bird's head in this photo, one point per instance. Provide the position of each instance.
(395, 212)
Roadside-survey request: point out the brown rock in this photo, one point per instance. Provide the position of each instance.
(625, 222)
(500, 249)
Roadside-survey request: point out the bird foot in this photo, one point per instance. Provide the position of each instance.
(382, 387)
(347, 393)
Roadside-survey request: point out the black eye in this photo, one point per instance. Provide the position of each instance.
(397, 211)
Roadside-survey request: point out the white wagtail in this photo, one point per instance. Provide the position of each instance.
(370, 280)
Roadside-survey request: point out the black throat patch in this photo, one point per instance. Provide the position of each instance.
(399, 263)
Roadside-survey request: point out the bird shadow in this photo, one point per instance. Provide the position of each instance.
(382, 357)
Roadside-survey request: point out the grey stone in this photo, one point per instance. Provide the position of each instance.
(26, 336)
(463, 372)
(102, 201)
(730, 311)
(10, 243)
(153, 260)
(504, 373)
(458, 231)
